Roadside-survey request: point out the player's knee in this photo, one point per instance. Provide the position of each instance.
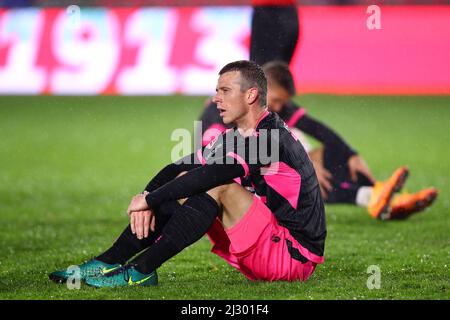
(226, 191)
(219, 193)
(215, 193)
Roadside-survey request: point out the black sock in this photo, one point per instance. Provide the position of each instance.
(128, 245)
(186, 225)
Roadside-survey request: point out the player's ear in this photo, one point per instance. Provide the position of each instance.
(252, 95)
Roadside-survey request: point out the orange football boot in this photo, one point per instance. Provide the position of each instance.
(404, 205)
(382, 193)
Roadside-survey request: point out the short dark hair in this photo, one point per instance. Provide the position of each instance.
(278, 72)
(252, 75)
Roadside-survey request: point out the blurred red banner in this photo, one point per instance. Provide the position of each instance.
(409, 54)
(180, 50)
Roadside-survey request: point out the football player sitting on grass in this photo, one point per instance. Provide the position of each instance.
(263, 212)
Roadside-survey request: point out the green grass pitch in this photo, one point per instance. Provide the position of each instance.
(69, 166)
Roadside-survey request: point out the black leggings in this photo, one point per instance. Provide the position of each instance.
(128, 245)
(274, 35)
(180, 225)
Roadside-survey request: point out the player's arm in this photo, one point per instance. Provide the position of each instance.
(167, 174)
(196, 181)
(328, 137)
(171, 171)
(193, 182)
(204, 178)
(333, 141)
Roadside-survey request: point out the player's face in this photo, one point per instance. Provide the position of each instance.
(277, 97)
(230, 100)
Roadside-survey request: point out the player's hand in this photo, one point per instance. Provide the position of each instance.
(324, 177)
(357, 164)
(141, 222)
(138, 203)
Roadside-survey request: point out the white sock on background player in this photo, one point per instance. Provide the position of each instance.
(363, 196)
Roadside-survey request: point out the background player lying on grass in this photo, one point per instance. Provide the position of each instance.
(266, 219)
(343, 175)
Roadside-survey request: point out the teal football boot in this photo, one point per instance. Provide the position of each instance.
(123, 277)
(91, 268)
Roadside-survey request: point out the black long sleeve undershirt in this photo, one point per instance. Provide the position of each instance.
(171, 171)
(195, 181)
(168, 173)
(325, 135)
